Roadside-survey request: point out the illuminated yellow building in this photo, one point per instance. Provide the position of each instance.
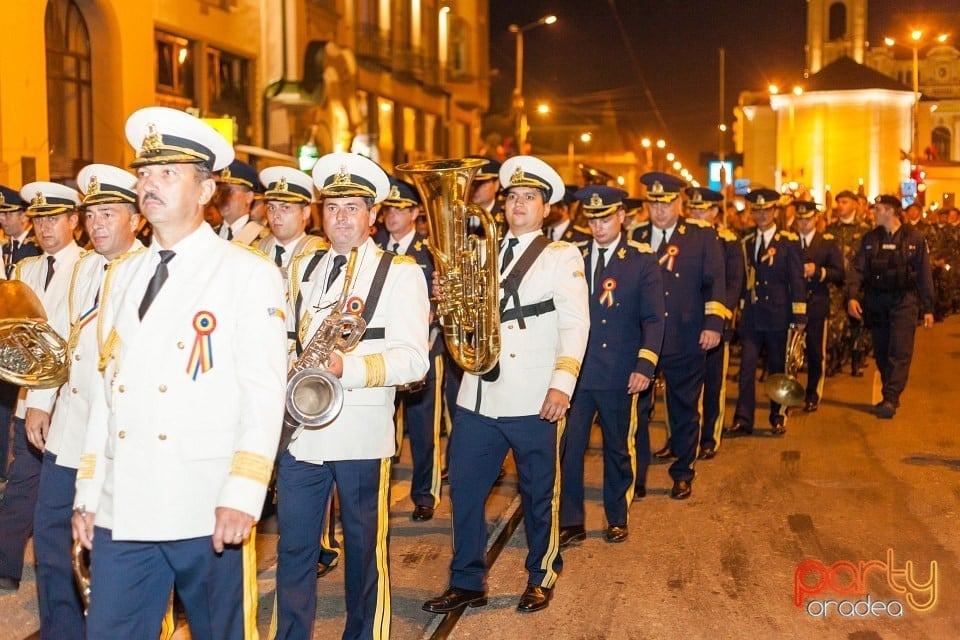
(395, 80)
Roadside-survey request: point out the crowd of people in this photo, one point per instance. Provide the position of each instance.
(189, 290)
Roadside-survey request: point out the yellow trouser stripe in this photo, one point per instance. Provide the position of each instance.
(553, 545)
(381, 620)
(250, 593)
(398, 417)
(823, 360)
(169, 624)
(632, 449)
(437, 415)
(722, 400)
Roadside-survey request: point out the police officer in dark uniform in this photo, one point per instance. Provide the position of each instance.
(888, 285)
(418, 408)
(822, 266)
(848, 231)
(626, 319)
(704, 204)
(691, 264)
(774, 297)
(21, 242)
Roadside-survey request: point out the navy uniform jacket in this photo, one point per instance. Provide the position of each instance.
(824, 252)
(776, 294)
(572, 234)
(733, 268)
(693, 284)
(419, 250)
(28, 248)
(626, 317)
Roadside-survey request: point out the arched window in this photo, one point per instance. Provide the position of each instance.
(838, 21)
(941, 138)
(69, 99)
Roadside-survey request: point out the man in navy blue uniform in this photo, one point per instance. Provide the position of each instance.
(774, 297)
(822, 266)
(419, 407)
(559, 224)
(889, 285)
(21, 243)
(626, 316)
(691, 264)
(704, 204)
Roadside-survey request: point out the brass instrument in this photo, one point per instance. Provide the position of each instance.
(784, 388)
(314, 395)
(81, 573)
(469, 297)
(32, 354)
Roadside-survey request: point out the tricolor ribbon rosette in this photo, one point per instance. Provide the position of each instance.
(608, 286)
(201, 356)
(768, 256)
(672, 252)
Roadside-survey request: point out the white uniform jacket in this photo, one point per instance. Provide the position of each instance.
(193, 395)
(364, 430)
(71, 411)
(548, 352)
(33, 272)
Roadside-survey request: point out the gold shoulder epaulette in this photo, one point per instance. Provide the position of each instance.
(252, 249)
(642, 247)
(403, 259)
(697, 222)
(582, 244)
(559, 244)
(828, 236)
(727, 235)
(789, 235)
(585, 230)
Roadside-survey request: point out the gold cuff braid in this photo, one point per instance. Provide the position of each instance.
(376, 370)
(252, 466)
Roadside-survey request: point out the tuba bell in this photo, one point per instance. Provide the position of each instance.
(32, 354)
(784, 388)
(469, 297)
(314, 396)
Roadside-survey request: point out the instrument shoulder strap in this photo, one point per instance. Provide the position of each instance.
(511, 284)
(373, 295)
(298, 303)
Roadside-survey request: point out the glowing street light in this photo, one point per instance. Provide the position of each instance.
(518, 31)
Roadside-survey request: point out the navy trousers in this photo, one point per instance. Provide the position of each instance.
(61, 609)
(618, 423)
(815, 354)
(131, 584)
(19, 502)
(363, 487)
(8, 401)
(714, 395)
(750, 343)
(893, 325)
(478, 447)
(422, 421)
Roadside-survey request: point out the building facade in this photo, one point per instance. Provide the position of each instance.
(395, 80)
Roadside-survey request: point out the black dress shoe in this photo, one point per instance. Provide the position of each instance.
(572, 535)
(616, 534)
(681, 490)
(778, 428)
(886, 410)
(422, 513)
(534, 598)
(324, 569)
(9, 584)
(707, 453)
(639, 491)
(664, 454)
(455, 598)
(737, 429)
(811, 405)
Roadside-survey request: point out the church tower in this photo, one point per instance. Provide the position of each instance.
(835, 28)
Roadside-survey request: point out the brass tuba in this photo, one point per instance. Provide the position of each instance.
(784, 388)
(32, 354)
(314, 395)
(469, 297)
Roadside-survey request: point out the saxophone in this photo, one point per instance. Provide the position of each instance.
(314, 396)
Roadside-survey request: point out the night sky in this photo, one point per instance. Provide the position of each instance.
(670, 55)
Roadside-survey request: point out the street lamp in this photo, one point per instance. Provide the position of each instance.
(518, 31)
(915, 43)
(585, 138)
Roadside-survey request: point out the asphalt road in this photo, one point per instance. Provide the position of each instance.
(853, 517)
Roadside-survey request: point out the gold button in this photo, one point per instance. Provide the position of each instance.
(163, 388)
(513, 355)
(122, 434)
(666, 314)
(604, 321)
(121, 388)
(509, 326)
(180, 345)
(676, 275)
(162, 436)
(666, 293)
(76, 356)
(604, 345)
(73, 390)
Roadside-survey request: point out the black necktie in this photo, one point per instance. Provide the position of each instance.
(50, 270)
(338, 262)
(278, 257)
(508, 254)
(598, 271)
(396, 247)
(662, 249)
(803, 242)
(762, 249)
(229, 232)
(159, 277)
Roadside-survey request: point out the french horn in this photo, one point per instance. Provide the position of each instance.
(784, 388)
(32, 353)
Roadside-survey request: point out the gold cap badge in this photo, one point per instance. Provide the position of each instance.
(697, 197)
(656, 188)
(394, 193)
(517, 176)
(93, 187)
(596, 201)
(39, 200)
(761, 201)
(281, 185)
(342, 177)
(153, 141)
